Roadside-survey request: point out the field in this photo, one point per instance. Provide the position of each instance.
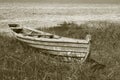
(21, 62)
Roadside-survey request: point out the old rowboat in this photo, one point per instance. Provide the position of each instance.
(53, 44)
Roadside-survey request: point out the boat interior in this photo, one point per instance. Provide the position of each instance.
(32, 33)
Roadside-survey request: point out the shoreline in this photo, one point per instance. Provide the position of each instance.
(37, 23)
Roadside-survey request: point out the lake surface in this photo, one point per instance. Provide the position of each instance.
(46, 15)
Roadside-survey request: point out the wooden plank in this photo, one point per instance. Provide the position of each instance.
(65, 54)
(72, 49)
(60, 40)
(55, 44)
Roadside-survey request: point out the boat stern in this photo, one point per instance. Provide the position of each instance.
(15, 28)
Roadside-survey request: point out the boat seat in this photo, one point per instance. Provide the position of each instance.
(51, 36)
(17, 30)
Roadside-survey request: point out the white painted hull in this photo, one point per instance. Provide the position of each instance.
(80, 50)
(61, 46)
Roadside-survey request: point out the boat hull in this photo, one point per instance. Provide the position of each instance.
(53, 44)
(78, 50)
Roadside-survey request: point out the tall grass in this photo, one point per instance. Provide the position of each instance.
(21, 62)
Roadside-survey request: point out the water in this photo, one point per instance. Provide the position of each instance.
(46, 15)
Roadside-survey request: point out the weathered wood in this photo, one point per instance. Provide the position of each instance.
(54, 44)
(48, 43)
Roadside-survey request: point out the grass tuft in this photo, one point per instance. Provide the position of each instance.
(21, 62)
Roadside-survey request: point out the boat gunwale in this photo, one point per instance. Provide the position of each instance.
(51, 40)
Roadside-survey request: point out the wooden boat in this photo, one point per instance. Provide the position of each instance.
(53, 44)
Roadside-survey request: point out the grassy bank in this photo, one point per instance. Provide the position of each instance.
(21, 62)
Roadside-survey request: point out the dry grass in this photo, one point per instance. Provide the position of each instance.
(21, 62)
